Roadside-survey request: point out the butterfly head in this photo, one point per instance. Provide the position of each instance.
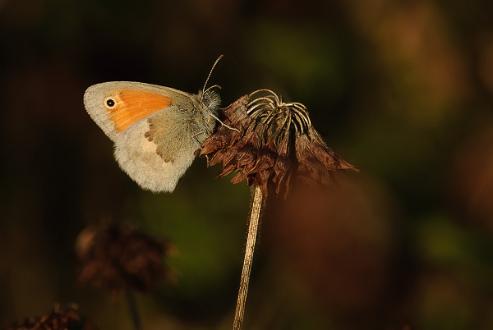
(210, 98)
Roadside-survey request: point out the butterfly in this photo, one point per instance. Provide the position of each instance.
(156, 130)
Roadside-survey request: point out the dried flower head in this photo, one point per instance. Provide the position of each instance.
(119, 257)
(60, 318)
(272, 142)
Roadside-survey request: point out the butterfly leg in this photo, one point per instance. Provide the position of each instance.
(197, 134)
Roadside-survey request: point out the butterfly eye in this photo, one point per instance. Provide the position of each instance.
(110, 103)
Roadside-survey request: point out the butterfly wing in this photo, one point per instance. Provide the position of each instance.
(154, 129)
(133, 101)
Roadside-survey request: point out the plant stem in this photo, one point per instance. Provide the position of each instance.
(133, 310)
(247, 261)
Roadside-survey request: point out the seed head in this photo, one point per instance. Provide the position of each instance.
(60, 318)
(272, 143)
(120, 257)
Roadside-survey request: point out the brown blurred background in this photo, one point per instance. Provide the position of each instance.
(401, 89)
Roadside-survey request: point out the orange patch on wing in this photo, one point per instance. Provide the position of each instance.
(134, 105)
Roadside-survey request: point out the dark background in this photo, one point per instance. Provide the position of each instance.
(401, 89)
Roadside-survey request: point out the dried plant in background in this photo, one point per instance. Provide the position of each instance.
(272, 144)
(118, 257)
(60, 318)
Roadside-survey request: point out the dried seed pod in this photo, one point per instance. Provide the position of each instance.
(272, 142)
(119, 257)
(60, 318)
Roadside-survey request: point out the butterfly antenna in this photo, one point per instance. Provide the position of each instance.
(212, 87)
(210, 73)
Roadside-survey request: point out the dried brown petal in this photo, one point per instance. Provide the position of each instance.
(271, 142)
(60, 318)
(118, 257)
